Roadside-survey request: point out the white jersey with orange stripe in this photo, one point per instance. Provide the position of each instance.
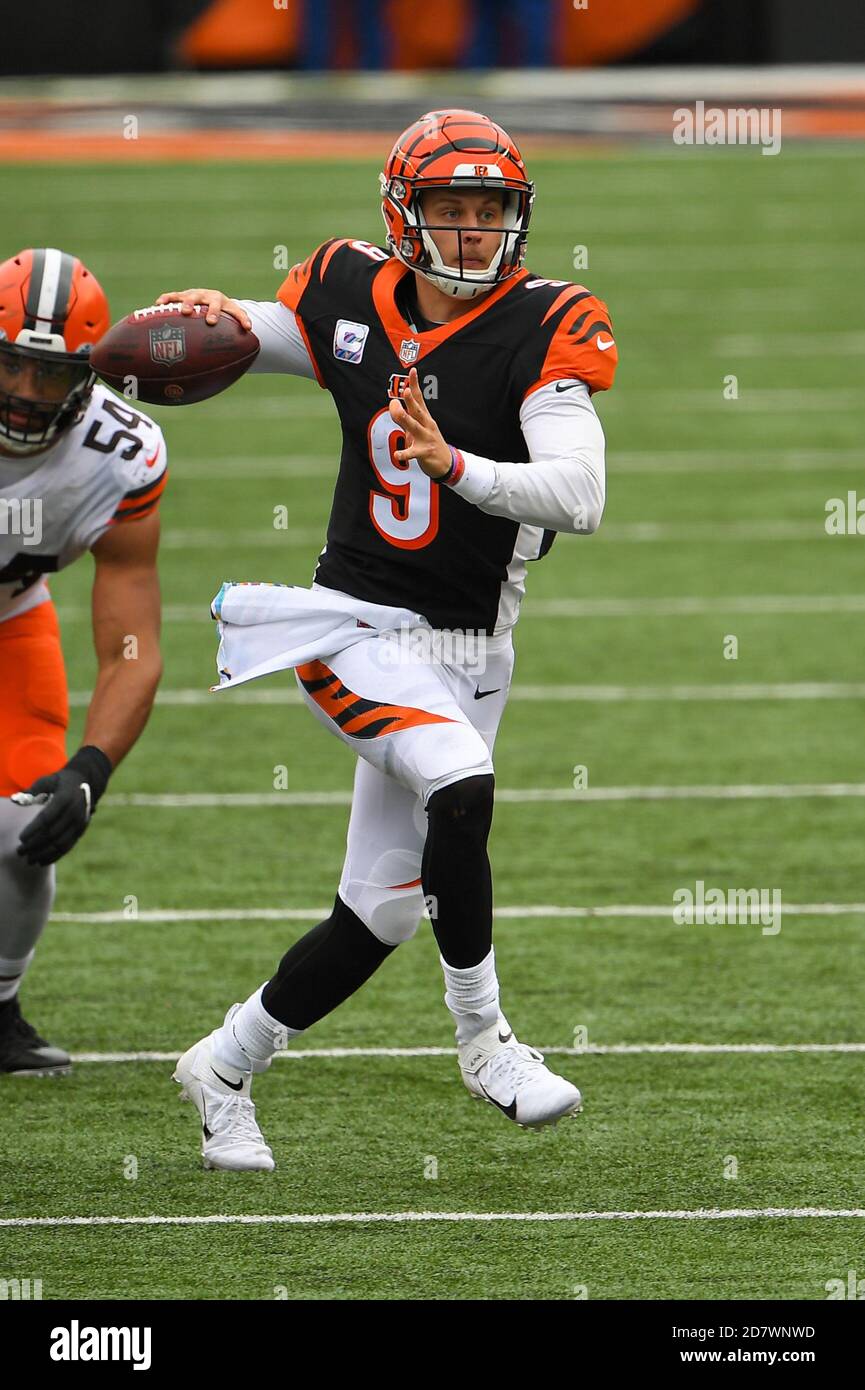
(109, 468)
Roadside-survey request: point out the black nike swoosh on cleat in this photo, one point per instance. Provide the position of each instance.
(208, 1134)
(233, 1085)
(507, 1037)
(510, 1110)
(482, 694)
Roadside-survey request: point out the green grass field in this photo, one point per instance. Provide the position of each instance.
(713, 264)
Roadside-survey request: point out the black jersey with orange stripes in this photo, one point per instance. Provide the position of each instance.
(395, 536)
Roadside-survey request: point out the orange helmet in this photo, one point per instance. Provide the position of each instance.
(52, 310)
(455, 149)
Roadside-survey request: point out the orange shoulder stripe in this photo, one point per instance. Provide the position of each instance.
(326, 258)
(567, 293)
(296, 281)
(291, 290)
(137, 500)
(582, 347)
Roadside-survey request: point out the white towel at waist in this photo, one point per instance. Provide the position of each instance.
(271, 627)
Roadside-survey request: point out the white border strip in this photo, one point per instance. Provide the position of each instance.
(397, 1218)
(313, 914)
(595, 1050)
(685, 606)
(673, 83)
(612, 533)
(797, 690)
(510, 795)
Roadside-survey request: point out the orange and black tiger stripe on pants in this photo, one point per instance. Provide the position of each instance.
(352, 713)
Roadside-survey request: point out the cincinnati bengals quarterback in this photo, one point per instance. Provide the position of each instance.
(464, 388)
(77, 466)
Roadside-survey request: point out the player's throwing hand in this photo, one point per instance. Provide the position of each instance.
(217, 303)
(423, 437)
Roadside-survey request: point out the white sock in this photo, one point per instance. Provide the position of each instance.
(11, 974)
(472, 996)
(252, 1036)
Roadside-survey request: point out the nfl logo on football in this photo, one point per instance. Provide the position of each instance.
(167, 343)
(409, 349)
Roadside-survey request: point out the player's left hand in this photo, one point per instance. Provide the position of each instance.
(423, 437)
(70, 798)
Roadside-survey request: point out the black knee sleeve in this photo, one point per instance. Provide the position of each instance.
(464, 805)
(323, 968)
(455, 870)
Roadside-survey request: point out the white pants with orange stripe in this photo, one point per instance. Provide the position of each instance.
(420, 709)
(418, 719)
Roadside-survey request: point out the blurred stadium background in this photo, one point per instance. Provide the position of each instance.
(146, 141)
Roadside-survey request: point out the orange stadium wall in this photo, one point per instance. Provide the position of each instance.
(609, 30)
(46, 37)
(421, 35)
(233, 31)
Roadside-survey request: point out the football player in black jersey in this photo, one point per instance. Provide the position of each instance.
(464, 388)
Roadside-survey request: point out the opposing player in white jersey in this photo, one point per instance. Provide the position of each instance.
(445, 357)
(77, 465)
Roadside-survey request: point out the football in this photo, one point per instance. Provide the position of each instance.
(165, 357)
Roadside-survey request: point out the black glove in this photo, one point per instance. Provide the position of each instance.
(71, 794)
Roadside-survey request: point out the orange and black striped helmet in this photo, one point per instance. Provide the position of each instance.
(52, 312)
(455, 149)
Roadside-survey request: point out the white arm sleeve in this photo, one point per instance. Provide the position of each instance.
(282, 345)
(562, 488)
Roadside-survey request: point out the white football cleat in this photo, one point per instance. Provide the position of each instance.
(508, 1074)
(231, 1138)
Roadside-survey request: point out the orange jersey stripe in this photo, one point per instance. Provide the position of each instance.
(582, 346)
(295, 282)
(567, 293)
(326, 258)
(136, 500)
(136, 508)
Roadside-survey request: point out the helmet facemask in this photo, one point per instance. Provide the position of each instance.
(30, 425)
(410, 233)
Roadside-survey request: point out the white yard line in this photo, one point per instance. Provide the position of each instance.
(641, 532)
(613, 533)
(511, 795)
(732, 461)
(238, 467)
(367, 1218)
(768, 345)
(596, 1050)
(312, 914)
(789, 690)
(275, 694)
(652, 399)
(683, 606)
(694, 605)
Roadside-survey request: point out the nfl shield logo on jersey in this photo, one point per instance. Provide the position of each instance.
(168, 343)
(349, 340)
(408, 351)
